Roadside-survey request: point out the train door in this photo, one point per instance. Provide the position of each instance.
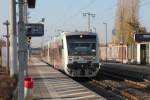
(143, 53)
(60, 53)
(50, 55)
(57, 57)
(54, 56)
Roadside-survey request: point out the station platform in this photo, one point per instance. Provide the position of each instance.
(50, 84)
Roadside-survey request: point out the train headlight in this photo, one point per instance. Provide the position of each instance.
(70, 59)
(94, 58)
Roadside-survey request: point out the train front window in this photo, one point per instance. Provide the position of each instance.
(82, 48)
(85, 45)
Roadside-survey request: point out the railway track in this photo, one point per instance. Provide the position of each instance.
(125, 88)
(119, 87)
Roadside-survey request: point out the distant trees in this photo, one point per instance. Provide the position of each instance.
(127, 22)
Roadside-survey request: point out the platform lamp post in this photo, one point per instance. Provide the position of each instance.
(106, 39)
(121, 43)
(7, 36)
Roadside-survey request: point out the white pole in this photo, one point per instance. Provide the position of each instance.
(13, 37)
(22, 49)
(25, 18)
(89, 22)
(7, 37)
(106, 41)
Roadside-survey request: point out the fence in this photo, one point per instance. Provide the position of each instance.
(115, 53)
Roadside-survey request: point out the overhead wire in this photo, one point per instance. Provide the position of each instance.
(79, 11)
(145, 3)
(66, 12)
(106, 12)
(142, 5)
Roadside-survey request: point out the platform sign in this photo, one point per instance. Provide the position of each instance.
(142, 37)
(35, 29)
(31, 3)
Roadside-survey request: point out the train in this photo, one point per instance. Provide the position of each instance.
(75, 53)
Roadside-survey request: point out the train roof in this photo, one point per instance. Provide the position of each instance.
(79, 33)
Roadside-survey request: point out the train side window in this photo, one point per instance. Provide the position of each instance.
(60, 52)
(54, 53)
(62, 44)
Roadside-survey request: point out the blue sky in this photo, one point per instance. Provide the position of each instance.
(67, 16)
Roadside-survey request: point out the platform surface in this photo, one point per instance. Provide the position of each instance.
(50, 84)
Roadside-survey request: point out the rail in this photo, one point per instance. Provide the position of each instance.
(125, 88)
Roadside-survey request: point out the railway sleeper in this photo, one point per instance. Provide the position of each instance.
(136, 83)
(121, 92)
(129, 96)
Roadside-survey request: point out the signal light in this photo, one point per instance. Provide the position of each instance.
(31, 3)
(29, 39)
